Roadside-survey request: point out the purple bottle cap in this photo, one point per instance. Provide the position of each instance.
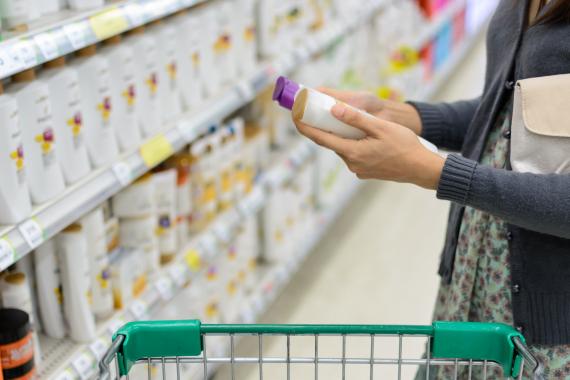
(285, 91)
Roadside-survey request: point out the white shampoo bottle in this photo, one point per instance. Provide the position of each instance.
(96, 105)
(63, 84)
(15, 204)
(45, 177)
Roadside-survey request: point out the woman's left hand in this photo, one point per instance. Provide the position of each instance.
(388, 152)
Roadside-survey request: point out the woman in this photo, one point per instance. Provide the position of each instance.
(507, 250)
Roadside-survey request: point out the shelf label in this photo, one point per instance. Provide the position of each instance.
(76, 34)
(84, 365)
(139, 309)
(115, 325)
(209, 243)
(222, 232)
(164, 288)
(108, 23)
(178, 274)
(156, 150)
(26, 52)
(32, 232)
(99, 347)
(66, 374)
(187, 131)
(193, 260)
(47, 45)
(245, 90)
(135, 14)
(9, 62)
(7, 254)
(123, 173)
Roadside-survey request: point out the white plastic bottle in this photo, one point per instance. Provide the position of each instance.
(45, 178)
(102, 294)
(147, 75)
(75, 280)
(82, 5)
(15, 204)
(16, 14)
(124, 92)
(49, 6)
(207, 30)
(169, 84)
(165, 193)
(96, 105)
(63, 84)
(50, 296)
(314, 109)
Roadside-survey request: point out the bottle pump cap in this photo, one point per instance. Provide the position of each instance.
(285, 91)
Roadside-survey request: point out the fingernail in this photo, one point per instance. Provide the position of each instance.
(338, 111)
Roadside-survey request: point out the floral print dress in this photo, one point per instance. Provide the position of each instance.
(480, 284)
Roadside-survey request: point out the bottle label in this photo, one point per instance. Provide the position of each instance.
(13, 355)
(152, 83)
(46, 139)
(75, 120)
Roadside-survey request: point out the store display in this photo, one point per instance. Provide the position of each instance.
(124, 91)
(231, 195)
(16, 345)
(71, 149)
(96, 105)
(45, 178)
(15, 204)
(76, 283)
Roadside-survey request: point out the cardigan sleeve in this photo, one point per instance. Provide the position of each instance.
(445, 124)
(538, 202)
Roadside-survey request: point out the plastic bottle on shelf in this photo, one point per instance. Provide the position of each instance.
(49, 6)
(102, 296)
(245, 44)
(181, 162)
(314, 109)
(63, 85)
(75, 280)
(165, 193)
(225, 62)
(82, 5)
(211, 76)
(44, 174)
(148, 78)
(16, 14)
(96, 105)
(169, 66)
(15, 204)
(50, 296)
(124, 92)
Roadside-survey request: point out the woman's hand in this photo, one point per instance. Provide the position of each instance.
(397, 112)
(388, 152)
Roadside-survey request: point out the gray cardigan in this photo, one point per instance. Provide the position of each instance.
(536, 207)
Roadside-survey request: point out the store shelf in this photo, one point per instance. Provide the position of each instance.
(434, 26)
(65, 32)
(64, 359)
(50, 218)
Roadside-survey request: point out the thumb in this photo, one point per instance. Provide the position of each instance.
(367, 123)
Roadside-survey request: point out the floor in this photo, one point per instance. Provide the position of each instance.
(377, 265)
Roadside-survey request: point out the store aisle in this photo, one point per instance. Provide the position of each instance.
(378, 262)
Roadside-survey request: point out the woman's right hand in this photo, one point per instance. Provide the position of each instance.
(396, 112)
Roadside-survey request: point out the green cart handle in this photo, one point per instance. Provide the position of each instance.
(495, 342)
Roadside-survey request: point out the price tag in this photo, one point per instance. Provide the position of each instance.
(138, 309)
(171, 6)
(84, 364)
(66, 374)
(209, 244)
(99, 347)
(164, 288)
(26, 51)
(7, 254)
(245, 90)
(135, 14)
(76, 34)
(9, 61)
(108, 23)
(222, 232)
(32, 232)
(187, 131)
(115, 325)
(193, 260)
(178, 274)
(123, 173)
(156, 150)
(47, 45)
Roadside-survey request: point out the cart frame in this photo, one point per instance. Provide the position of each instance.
(448, 343)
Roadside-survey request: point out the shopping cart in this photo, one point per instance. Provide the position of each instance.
(467, 346)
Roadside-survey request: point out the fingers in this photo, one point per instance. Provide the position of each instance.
(325, 139)
(365, 122)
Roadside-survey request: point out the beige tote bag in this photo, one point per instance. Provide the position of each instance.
(540, 130)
